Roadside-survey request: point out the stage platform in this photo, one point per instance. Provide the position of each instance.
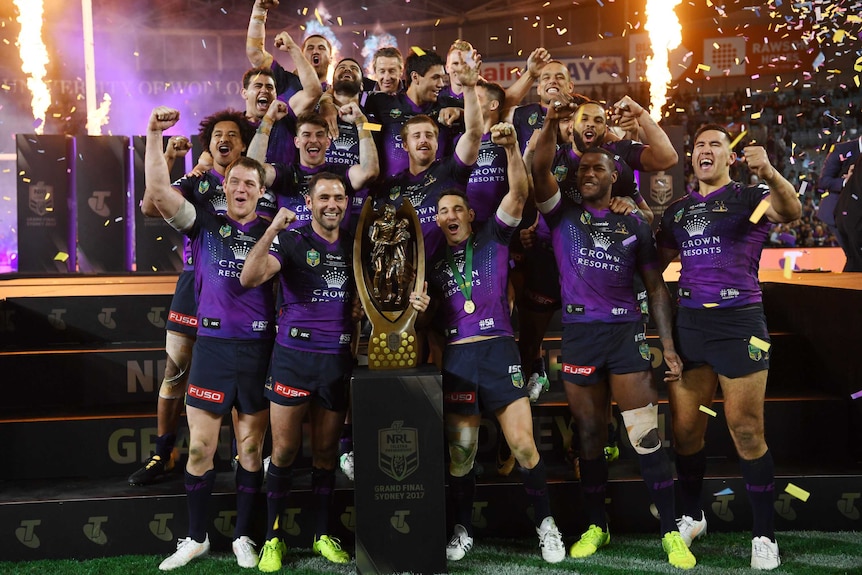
(83, 356)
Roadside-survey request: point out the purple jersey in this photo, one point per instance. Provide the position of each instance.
(527, 119)
(291, 188)
(317, 290)
(423, 190)
(488, 181)
(598, 253)
(718, 246)
(391, 111)
(489, 282)
(281, 146)
(227, 310)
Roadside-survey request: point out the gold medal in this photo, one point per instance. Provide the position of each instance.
(469, 306)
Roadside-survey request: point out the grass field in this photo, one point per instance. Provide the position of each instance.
(803, 553)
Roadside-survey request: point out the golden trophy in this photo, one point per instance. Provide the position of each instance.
(388, 264)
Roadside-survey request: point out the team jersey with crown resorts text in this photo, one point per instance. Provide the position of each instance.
(490, 276)
(489, 180)
(719, 247)
(598, 253)
(226, 310)
(317, 290)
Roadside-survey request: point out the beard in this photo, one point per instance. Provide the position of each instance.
(347, 87)
(582, 146)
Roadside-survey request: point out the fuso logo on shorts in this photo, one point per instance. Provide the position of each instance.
(287, 391)
(578, 369)
(459, 397)
(183, 319)
(206, 394)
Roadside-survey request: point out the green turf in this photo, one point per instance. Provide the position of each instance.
(803, 553)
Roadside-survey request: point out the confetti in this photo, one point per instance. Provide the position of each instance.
(709, 305)
(707, 411)
(759, 211)
(725, 491)
(629, 240)
(61, 257)
(417, 50)
(371, 127)
(759, 343)
(737, 139)
(856, 395)
(797, 492)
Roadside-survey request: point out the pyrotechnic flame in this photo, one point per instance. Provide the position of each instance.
(665, 34)
(34, 57)
(99, 117)
(373, 43)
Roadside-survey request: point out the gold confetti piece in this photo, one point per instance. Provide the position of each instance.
(709, 305)
(839, 35)
(707, 411)
(737, 139)
(755, 115)
(759, 343)
(417, 50)
(61, 257)
(759, 211)
(797, 492)
(703, 67)
(372, 127)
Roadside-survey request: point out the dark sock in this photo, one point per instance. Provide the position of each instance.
(247, 487)
(594, 480)
(345, 444)
(538, 366)
(278, 483)
(759, 476)
(165, 445)
(198, 491)
(536, 486)
(322, 486)
(690, 470)
(462, 490)
(612, 434)
(657, 474)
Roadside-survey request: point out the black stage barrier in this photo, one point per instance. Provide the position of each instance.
(45, 203)
(400, 479)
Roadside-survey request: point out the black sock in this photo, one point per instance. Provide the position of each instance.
(278, 483)
(690, 470)
(612, 433)
(462, 490)
(759, 476)
(165, 445)
(538, 366)
(594, 481)
(536, 486)
(198, 491)
(322, 486)
(247, 487)
(657, 474)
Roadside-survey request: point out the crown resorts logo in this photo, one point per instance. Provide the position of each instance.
(695, 226)
(335, 278)
(486, 158)
(343, 143)
(241, 251)
(600, 240)
(219, 203)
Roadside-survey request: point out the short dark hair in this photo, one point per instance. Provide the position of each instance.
(355, 61)
(324, 38)
(495, 91)
(250, 163)
(455, 192)
(254, 72)
(421, 64)
(604, 152)
(312, 118)
(387, 52)
(713, 126)
(417, 119)
(322, 177)
(208, 124)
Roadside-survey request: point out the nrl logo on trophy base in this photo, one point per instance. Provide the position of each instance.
(389, 263)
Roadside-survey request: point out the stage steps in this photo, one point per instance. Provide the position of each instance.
(79, 417)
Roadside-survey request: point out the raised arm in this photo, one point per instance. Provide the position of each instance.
(176, 148)
(256, 35)
(260, 143)
(158, 189)
(544, 183)
(260, 265)
(504, 134)
(521, 87)
(467, 148)
(305, 99)
(659, 153)
(369, 164)
(784, 205)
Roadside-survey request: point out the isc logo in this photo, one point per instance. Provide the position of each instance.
(205, 394)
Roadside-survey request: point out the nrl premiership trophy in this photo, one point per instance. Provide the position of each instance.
(388, 264)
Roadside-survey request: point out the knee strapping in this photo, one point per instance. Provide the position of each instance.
(463, 445)
(179, 351)
(642, 427)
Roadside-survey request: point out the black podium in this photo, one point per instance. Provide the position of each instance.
(400, 476)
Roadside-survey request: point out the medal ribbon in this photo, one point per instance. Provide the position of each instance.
(463, 285)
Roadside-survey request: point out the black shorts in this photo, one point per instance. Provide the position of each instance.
(297, 376)
(183, 316)
(227, 373)
(722, 339)
(592, 351)
(541, 281)
(481, 376)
